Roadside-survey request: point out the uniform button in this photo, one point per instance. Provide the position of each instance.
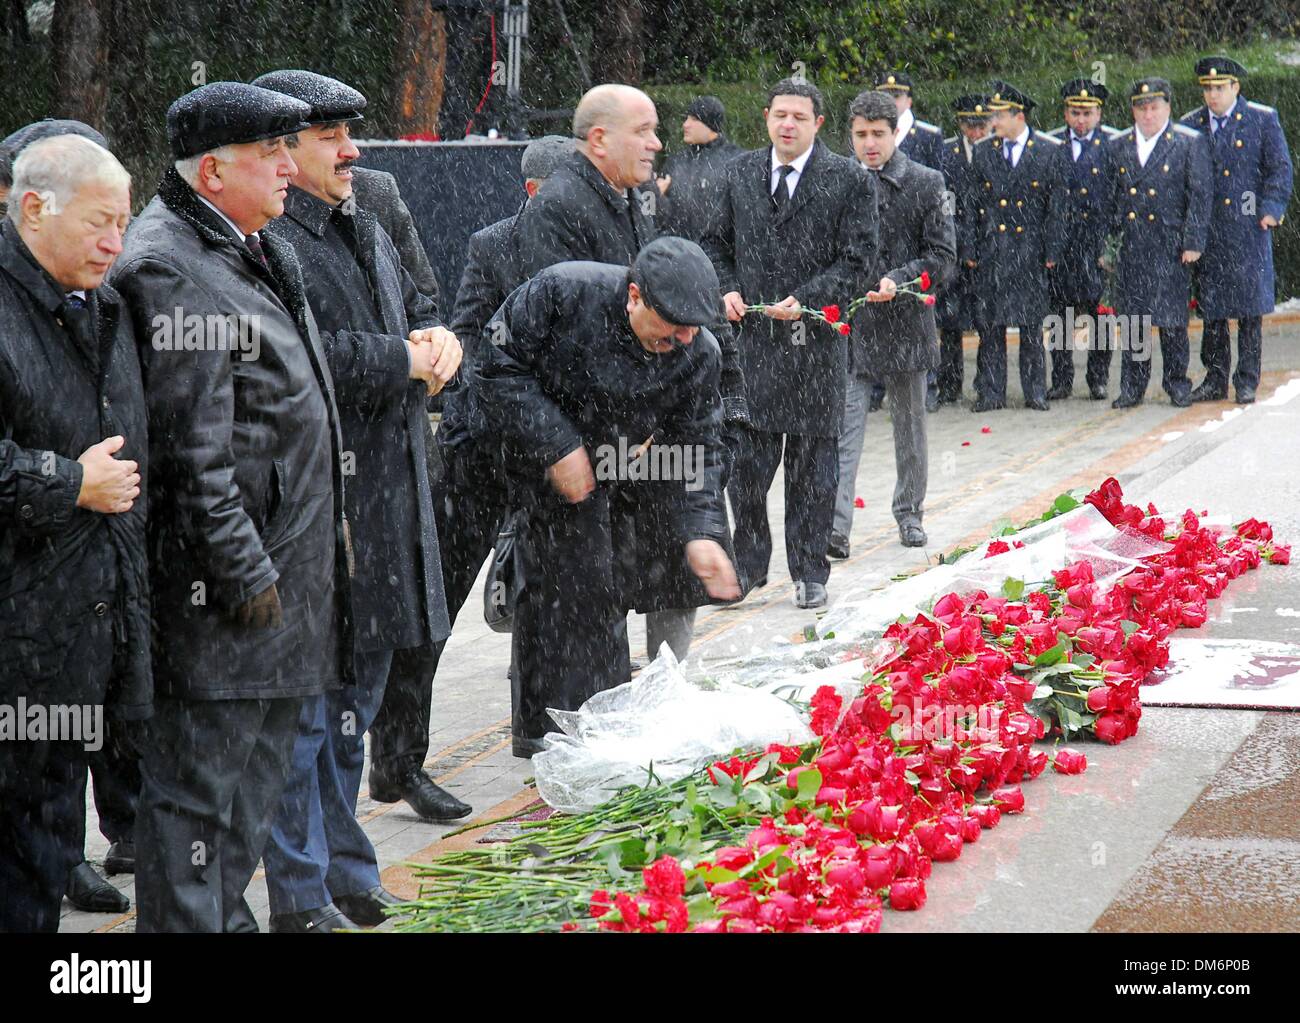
(1019, 229)
(1002, 202)
(981, 211)
(27, 513)
(1151, 191)
(1151, 216)
(1019, 202)
(1132, 191)
(1165, 169)
(1002, 227)
(1225, 172)
(105, 402)
(1033, 184)
(1121, 170)
(101, 609)
(1132, 215)
(1083, 191)
(1238, 143)
(1085, 216)
(1094, 170)
(1227, 202)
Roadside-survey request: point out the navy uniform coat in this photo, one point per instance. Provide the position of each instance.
(1077, 280)
(1159, 210)
(1019, 226)
(957, 298)
(923, 144)
(1248, 158)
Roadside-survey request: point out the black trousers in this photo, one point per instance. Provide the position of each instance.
(991, 363)
(1100, 348)
(115, 777)
(213, 773)
(1135, 364)
(570, 636)
(811, 477)
(1216, 353)
(951, 365)
(469, 505)
(42, 818)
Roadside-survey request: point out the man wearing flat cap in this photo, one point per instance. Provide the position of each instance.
(469, 494)
(605, 381)
(248, 540)
(1076, 283)
(1160, 207)
(692, 178)
(955, 312)
(1252, 177)
(1019, 235)
(387, 351)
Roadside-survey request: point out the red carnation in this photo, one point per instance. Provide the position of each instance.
(832, 313)
(928, 300)
(843, 328)
(925, 280)
(1280, 554)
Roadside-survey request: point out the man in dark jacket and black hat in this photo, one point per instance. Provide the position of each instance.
(691, 183)
(796, 230)
(247, 534)
(893, 337)
(74, 593)
(604, 383)
(386, 351)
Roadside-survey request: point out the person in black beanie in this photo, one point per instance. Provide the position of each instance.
(691, 183)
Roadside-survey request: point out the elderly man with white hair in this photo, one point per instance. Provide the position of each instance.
(248, 542)
(74, 595)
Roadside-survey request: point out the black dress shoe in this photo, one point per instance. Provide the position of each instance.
(120, 858)
(876, 403)
(367, 908)
(1245, 395)
(949, 397)
(313, 921)
(1037, 404)
(429, 801)
(912, 535)
(1180, 400)
(90, 893)
(838, 548)
(1059, 393)
(931, 402)
(1125, 402)
(1208, 392)
(809, 595)
(987, 405)
(525, 748)
(1097, 392)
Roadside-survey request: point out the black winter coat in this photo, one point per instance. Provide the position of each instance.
(246, 482)
(822, 250)
(569, 372)
(376, 192)
(64, 569)
(698, 177)
(916, 236)
(365, 305)
(957, 298)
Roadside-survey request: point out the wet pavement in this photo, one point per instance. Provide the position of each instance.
(1190, 825)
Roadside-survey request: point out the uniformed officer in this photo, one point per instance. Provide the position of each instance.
(1252, 175)
(1075, 285)
(1160, 205)
(1018, 237)
(921, 142)
(956, 308)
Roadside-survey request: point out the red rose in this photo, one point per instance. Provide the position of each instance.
(987, 814)
(1280, 555)
(1069, 762)
(1111, 728)
(832, 313)
(925, 280)
(908, 893)
(1009, 799)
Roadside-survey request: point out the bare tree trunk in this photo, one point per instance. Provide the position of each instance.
(81, 51)
(421, 61)
(621, 55)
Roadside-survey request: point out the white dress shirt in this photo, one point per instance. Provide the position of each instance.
(1216, 118)
(1017, 146)
(905, 122)
(793, 177)
(1146, 145)
(1077, 143)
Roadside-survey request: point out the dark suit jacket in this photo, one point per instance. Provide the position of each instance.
(1019, 227)
(822, 250)
(916, 235)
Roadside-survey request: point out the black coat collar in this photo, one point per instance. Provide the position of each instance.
(896, 168)
(592, 176)
(21, 265)
(305, 209)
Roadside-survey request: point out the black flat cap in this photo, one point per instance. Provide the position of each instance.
(1218, 70)
(542, 156)
(894, 81)
(1151, 88)
(973, 105)
(1083, 92)
(34, 132)
(709, 111)
(1005, 96)
(330, 100)
(228, 113)
(678, 281)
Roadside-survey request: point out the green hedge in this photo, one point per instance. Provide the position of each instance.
(745, 124)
